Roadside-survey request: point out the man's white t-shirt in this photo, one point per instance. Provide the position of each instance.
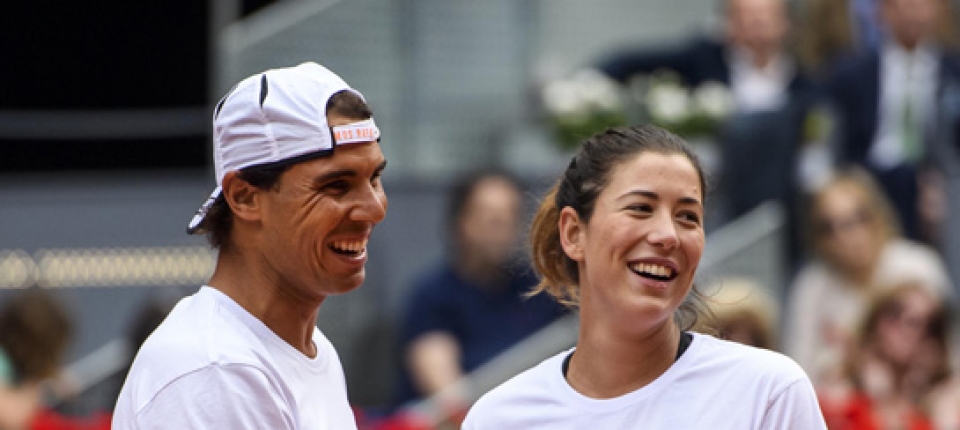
(213, 365)
(714, 385)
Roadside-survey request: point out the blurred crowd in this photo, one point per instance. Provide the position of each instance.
(843, 111)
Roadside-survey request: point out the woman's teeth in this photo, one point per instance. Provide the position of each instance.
(655, 270)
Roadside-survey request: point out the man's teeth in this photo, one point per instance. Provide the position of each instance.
(350, 246)
(652, 269)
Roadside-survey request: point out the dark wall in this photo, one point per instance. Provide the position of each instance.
(104, 55)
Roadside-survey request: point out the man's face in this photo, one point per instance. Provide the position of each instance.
(757, 25)
(318, 219)
(910, 21)
(490, 224)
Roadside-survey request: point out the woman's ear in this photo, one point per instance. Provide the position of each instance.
(243, 198)
(571, 233)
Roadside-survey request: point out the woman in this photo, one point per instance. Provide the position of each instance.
(742, 311)
(858, 251)
(900, 355)
(620, 237)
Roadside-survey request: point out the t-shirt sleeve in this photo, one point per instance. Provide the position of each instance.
(795, 407)
(217, 397)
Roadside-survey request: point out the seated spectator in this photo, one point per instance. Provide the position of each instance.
(472, 306)
(741, 311)
(899, 354)
(857, 251)
(34, 331)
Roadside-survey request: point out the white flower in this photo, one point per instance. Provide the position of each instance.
(713, 99)
(562, 98)
(597, 90)
(668, 102)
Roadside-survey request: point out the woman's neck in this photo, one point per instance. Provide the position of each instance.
(607, 365)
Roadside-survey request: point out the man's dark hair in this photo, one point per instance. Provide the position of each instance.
(463, 190)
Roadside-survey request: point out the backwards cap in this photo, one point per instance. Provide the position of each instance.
(278, 117)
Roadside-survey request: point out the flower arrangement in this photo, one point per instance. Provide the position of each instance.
(589, 102)
(698, 112)
(586, 103)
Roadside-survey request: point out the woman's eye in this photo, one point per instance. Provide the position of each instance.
(643, 207)
(692, 217)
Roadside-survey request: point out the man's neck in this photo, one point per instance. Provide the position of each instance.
(292, 319)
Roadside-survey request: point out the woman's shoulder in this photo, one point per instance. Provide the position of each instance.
(723, 357)
(532, 387)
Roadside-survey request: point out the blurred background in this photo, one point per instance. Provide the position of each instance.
(105, 153)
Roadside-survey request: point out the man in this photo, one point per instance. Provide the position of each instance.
(750, 57)
(471, 307)
(298, 165)
(886, 101)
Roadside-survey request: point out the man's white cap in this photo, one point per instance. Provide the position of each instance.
(278, 117)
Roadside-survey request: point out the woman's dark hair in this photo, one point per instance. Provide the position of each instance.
(585, 177)
(219, 220)
(34, 332)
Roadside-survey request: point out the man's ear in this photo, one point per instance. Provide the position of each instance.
(243, 198)
(571, 233)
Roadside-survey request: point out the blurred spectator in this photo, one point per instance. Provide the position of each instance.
(471, 307)
(943, 404)
(857, 251)
(751, 57)
(829, 31)
(898, 356)
(145, 320)
(742, 311)
(34, 332)
(886, 102)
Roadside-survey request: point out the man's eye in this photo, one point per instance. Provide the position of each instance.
(642, 207)
(336, 186)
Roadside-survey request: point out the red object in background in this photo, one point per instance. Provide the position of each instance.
(857, 413)
(50, 420)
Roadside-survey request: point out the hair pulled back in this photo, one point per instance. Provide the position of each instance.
(582, 182)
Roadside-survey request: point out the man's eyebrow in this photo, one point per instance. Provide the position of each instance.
(336, 174)
(344, 173)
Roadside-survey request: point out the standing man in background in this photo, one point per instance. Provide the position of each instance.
(298, 165)
(887, 103)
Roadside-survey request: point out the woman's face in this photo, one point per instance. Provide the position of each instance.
(638, 253)
(903, 326)
(846, 231)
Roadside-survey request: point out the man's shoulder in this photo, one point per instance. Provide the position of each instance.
(195, 334)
